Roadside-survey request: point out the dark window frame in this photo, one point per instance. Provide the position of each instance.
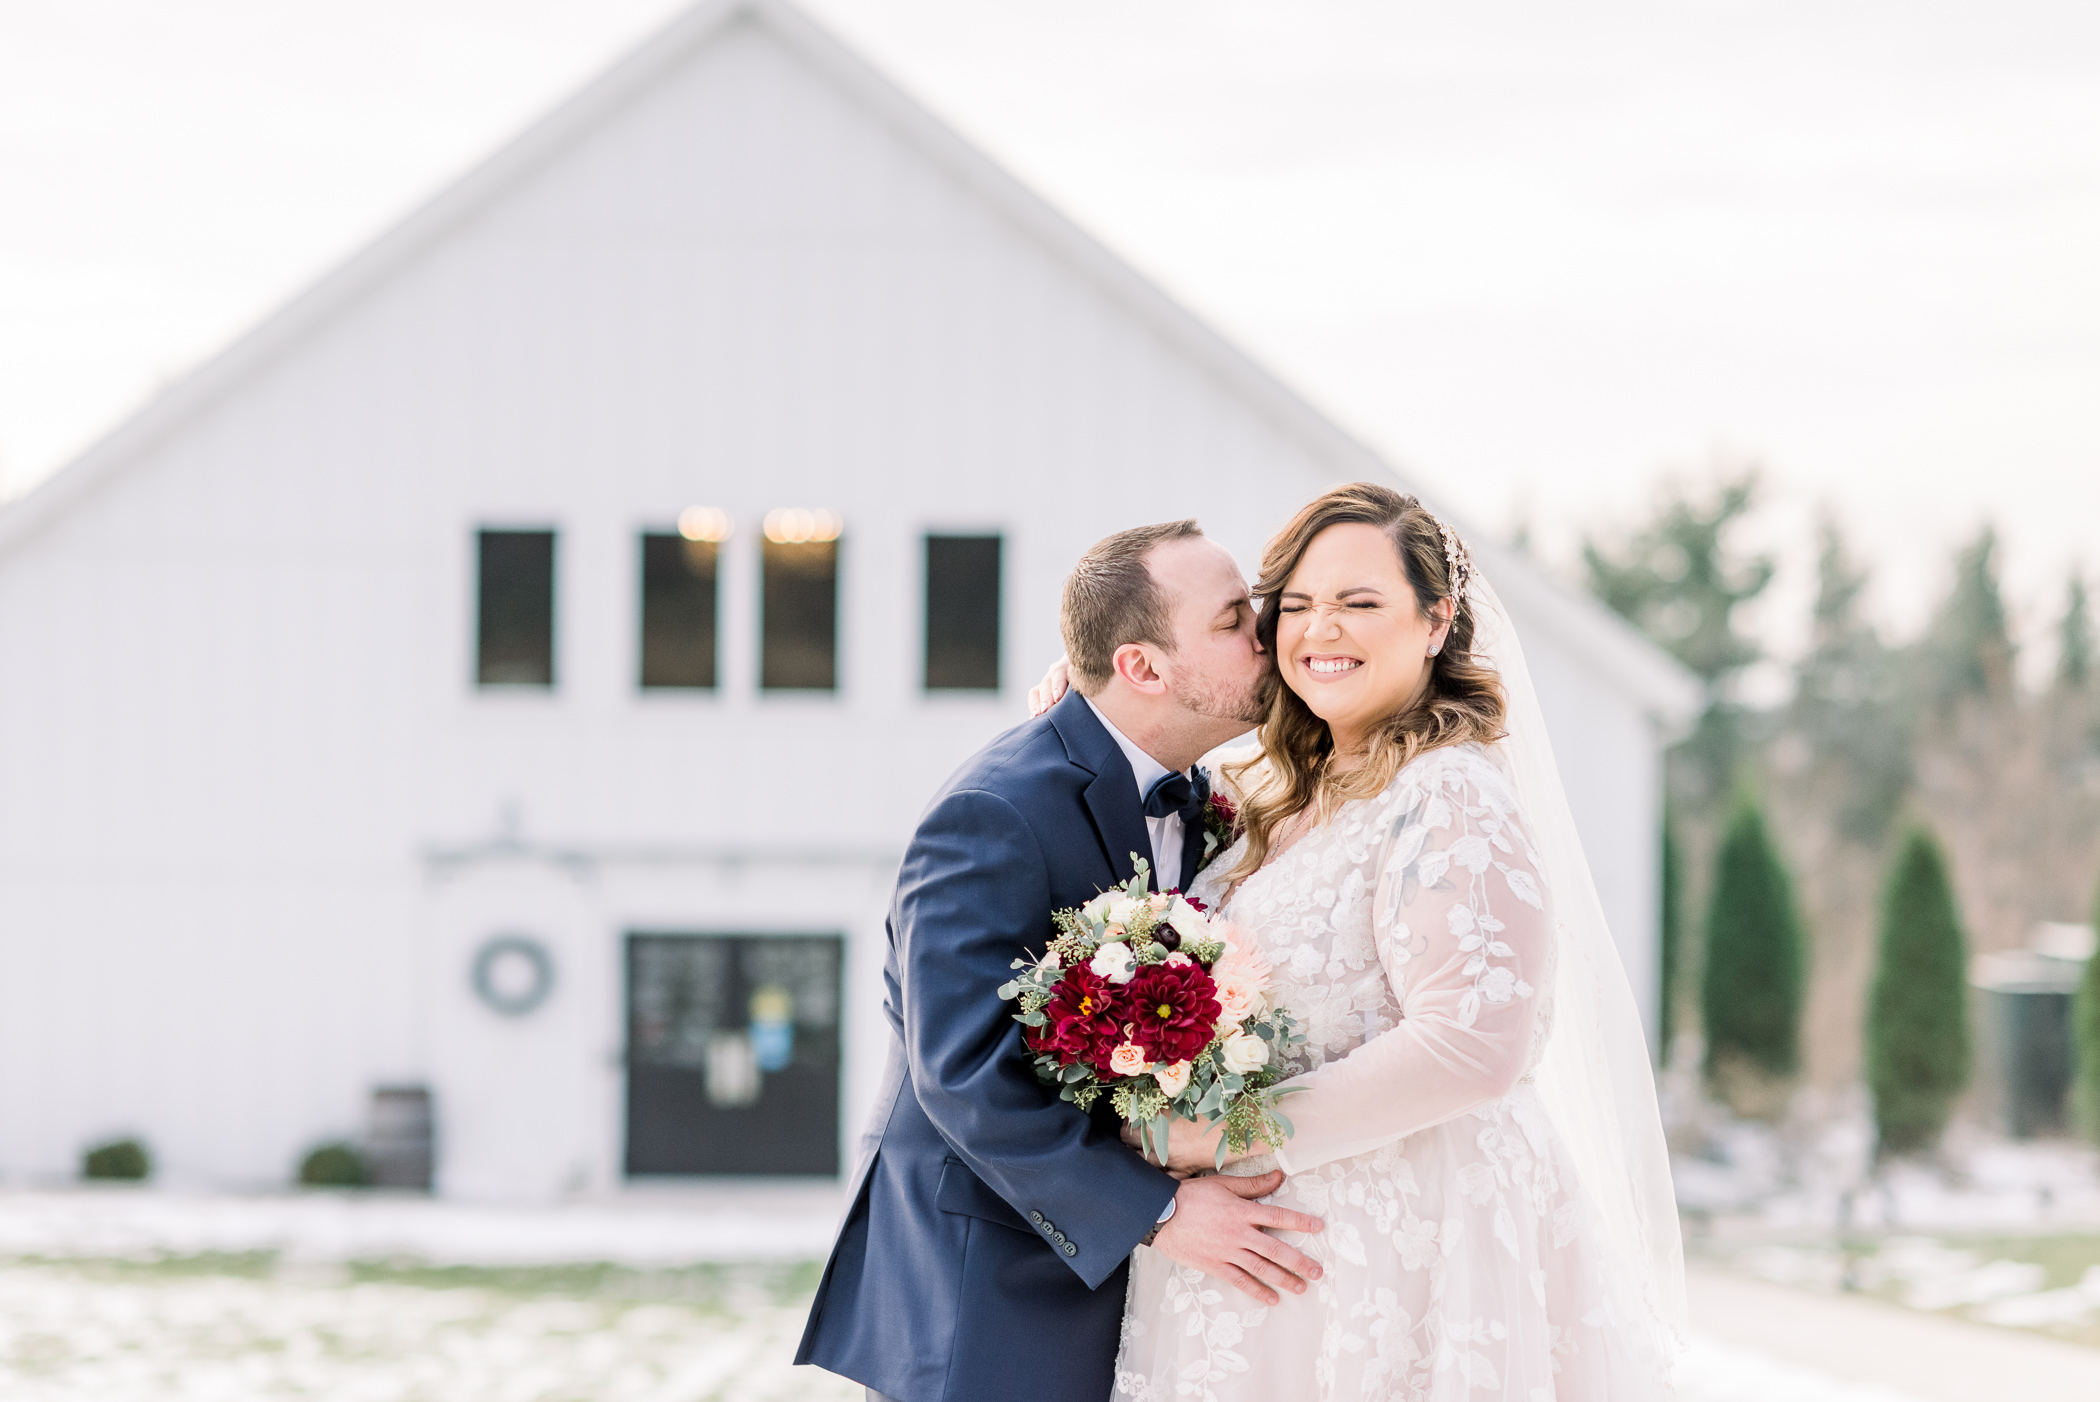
(789, 663)
(962, 642)
(517, 627)
(658, 622)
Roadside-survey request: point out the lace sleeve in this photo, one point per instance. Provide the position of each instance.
(1464, 933)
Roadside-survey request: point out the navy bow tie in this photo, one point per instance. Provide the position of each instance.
(1178, 793)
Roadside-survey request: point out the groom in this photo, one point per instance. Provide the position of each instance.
(987, 1246)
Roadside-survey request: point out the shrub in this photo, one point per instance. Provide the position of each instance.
(2085, 1014)
(334, 1166)
(1918, 1011)
(124, 1160)
(1672, 928)
(1750, 995)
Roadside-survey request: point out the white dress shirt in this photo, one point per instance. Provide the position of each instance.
(1165, 832)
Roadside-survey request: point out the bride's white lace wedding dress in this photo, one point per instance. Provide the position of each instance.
(1413, 937)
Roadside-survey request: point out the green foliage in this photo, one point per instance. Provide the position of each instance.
(1968, 650)
(1678, 582)
(1672, 936)
(334, 1166)
(1849, 703)
(2074, 638)
(2085, 1016)
(121, 1160)
(1752, 990)
(1918, 1012)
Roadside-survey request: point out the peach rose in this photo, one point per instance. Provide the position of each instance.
(1239, 998)
(1172, 1079)
(1127, 1060)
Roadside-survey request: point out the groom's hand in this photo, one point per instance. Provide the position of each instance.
(1216, 1228)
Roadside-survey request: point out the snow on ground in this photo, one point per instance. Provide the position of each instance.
(2000, 1232)
(729, 1223)
(143, 1295)
(256, 1330)
(241, 1331)
(1751, 1177)
(1714, 1372)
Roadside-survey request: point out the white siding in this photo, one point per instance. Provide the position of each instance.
(236, 708)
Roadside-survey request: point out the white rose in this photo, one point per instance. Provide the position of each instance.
(1172, 1079)
(1122, 910)
(1189, 922)
(1114, 962)
(1097, 908)
(1243, 1053)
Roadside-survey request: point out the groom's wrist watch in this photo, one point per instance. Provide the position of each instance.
(1149, 1237)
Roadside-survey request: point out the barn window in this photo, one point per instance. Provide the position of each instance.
(516, 643)
(799, 630)
(678, 611)
(962, 612)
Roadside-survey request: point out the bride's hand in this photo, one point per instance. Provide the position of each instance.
(1051, 689)
(1191, 1147)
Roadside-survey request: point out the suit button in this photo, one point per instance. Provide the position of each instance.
(1036, 1217)
(1071, 1250)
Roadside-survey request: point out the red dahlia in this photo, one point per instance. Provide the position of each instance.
(1082, 1020)
(1173, 1010)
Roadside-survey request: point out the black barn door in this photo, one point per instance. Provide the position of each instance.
(733, 1054)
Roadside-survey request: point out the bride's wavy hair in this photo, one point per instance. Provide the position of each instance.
(1463, 701)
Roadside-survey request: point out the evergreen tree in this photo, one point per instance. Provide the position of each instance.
(2085, 1015)
(1849, 704)
(1917, 1013)
(1680, 581)
(1968, 651)
(2074, 638)
(1672, 938)
(1750, 996)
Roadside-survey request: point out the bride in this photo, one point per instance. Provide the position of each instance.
(1473, 1111)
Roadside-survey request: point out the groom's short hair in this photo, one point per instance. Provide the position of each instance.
(1111, 599)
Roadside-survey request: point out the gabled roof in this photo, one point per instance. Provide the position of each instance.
(1665, 689)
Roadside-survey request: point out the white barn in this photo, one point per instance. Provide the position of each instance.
(321, 679)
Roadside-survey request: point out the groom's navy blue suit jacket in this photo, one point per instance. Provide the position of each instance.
(986, 1248)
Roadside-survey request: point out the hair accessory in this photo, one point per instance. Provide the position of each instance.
(1458, 562)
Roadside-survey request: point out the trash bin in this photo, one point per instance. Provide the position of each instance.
(2024, 1057)
(400, 1146)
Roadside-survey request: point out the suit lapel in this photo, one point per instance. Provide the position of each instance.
(1191, 853)
(1112, 797)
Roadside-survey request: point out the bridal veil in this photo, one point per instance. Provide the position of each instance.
(1594, 1077)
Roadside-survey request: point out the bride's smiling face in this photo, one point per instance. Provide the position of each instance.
(1351, 639)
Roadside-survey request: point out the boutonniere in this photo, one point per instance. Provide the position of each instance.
(1221, 824)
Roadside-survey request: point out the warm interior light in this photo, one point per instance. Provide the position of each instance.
(792, 525)
(709, 523)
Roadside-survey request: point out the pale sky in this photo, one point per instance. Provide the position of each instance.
(1538, 252)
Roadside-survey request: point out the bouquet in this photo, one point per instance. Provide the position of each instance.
(1147, 1000)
